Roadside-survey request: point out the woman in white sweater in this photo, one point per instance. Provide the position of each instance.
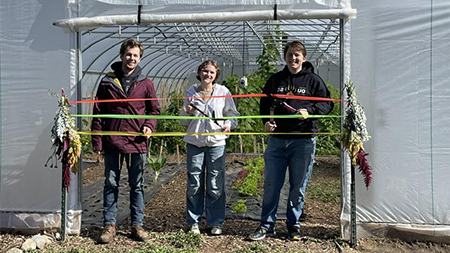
(206, 153)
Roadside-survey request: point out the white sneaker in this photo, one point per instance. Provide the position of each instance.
(216, 230)
(195, 229)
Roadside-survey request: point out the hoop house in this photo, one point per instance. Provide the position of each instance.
(399, 65)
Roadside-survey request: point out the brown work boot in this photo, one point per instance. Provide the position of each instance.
(138, 233)
(109, 231)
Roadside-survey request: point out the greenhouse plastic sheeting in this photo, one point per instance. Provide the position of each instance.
(400, 55)
(34, 61)
(400, 60)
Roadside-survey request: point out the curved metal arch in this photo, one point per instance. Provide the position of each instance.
(100, 75)
(104, 51)
(161, 81)
(161, 53)
(182, 71)
(171, 69)
(188, 69)
(107, 65)
(101, 39)
(197, 39)
(153, 77)
(169, 59)
(115, 44)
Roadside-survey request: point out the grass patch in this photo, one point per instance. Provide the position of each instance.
(325, 192)
(254, 248)
(181, 240)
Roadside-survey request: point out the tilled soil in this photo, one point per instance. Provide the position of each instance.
(165, 215)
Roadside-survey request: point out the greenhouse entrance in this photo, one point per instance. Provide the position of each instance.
(172, 54)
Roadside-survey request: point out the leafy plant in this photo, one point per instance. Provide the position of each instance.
(330, 144)
(253, 248)
(181, 239)
(170, 125)
(250, 106)
(156, 163)
(86, 141)
(239, 206)
(248, 186)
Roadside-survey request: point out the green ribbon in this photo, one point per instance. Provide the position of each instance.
(125, 116)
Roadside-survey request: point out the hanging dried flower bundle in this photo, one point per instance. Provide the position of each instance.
(355, 134)
(66, 141)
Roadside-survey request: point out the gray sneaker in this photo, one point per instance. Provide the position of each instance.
(216, 230)
(195, 229)
(260, 233)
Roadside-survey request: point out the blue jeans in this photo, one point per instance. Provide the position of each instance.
(209, 161)
(298, 156)
(113, 164)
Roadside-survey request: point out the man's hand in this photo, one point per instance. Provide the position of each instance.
(303, 112)
(270, 127)
(147, 130)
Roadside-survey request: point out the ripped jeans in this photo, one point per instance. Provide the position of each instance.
(209, 161)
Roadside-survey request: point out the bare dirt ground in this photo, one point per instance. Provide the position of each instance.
(165, 220)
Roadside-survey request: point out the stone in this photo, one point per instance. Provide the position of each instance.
(29, 244)
(41, 240)
(14, 250)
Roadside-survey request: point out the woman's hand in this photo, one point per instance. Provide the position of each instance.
(189, 109)
(226, 129)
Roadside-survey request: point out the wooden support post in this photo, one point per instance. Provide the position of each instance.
(161, 148)
(254, 144)
(263, 145)
(149, 149)
(242, 146)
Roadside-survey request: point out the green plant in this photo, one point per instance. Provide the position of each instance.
(152, 248)
(330, 144)
(250, 106)
(86, 141)
(181, 239)
(170, 125)
(325, 192)
(248, 186)
(239, 206)
(253, 248)
(156, 164)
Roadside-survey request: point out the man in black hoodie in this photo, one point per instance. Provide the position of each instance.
(295, 149)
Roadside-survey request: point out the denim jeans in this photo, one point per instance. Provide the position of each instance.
(135, 164)
(283, 153)
(209, 161)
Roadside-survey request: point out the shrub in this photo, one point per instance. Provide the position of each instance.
(330, 144)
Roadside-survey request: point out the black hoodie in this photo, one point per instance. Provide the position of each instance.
(304, 83)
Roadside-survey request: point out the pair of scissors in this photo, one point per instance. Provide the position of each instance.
(278, 101)
(206, 115)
